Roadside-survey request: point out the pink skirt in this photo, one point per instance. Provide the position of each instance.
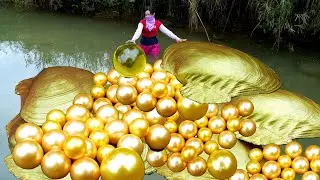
(152, 50)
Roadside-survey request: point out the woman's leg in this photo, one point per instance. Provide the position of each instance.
(154, 53)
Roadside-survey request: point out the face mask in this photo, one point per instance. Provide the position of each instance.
(150, 22)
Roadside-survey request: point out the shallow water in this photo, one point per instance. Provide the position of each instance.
(31, 41)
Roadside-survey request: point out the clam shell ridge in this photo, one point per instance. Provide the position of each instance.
(214, 73)
(54, 88)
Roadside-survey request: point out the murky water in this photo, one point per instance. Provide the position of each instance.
(32, 41)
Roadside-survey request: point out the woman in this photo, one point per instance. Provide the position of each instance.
(149, 28)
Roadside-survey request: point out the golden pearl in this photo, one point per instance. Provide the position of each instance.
(210, 146)
(256, 154)
(113, 76)
(75, 147)
(247, 127)
(127, 81)
(57, 116)
(171, 91)
(112, 93)
(146, 101)
(153, 117)
(197, 167)
(202, 122)
(176, 143)
(50, 125)
(100, 78)
(258, 177)
(126, 94)
(174, 117)
(271, 152)
(131, 115)
(91, 149)
(97, 91)
(222, 164)
(166, 106)
(253, 167)
(28, 131)
(212, 111)
(310, 175)
(85, 169)
(161, 76)
(148, 68)
(177, 95)
(188, 129)
(240, 174)
(116, 129)
(176, 83)
(84, 99)
(217, 124)
(159, 89)
(55, 164)
(99, 137)
(315, 165)
(157, 158)
(122, 108)
(293, 149)
(312, 152)
(27, 154)
(271, 169)
(171, 126)
(227, 139)
(188, 153)
(284, 161)
(104, 152)
(245, 107)
(122, 163)
(158, 137)
(77, 112)
(131, 141)
(143, 74)
(176, 163)
(144, 84)
(300, 165)
(204, 134)
(233, 125)
(100, 102)
(157, 65)
(139, 127)
(107, 113)
(94, 123)
(197, 143)
(53, 140)
(229, 111)
(191, 110)
(288, 174)
(76, 128)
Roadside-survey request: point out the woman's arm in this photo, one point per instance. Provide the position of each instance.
(138, 33)
(167, 32)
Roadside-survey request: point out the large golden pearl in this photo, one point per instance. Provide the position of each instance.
(188, 129)
(245, 107)
(55, 164)
(132, 142)
(107, 113)
(158, 137)
(204, 134)
(271, 152)
(197, 143)
(99, 137)
(315, 165)
(176, 143)
(176, 163)
(233, 125)
(240, 174)
(133, 114)
(288, 174)
(171, 126)
(94, 123)
(271, 169)
(188, 153)
(127, 81)
(76, 128)
(84, 99)
(210, 146)
(28, 131)
(284, 161)
(160, 76)
(113, 76)
(312, 152)
(75, 147)
(258, 177)
(197, 167)
(100, 78)
(176, 83)
(247, 127)
(229, 111)
(148, 68)
(310, 175)
(85, 169)
(171, 91)
(122, 108)
(50, 125)
(100, 102)
(77, 112)
(143, 74)
(91, 149)
(104, 152)
(153, 117)
(144, 84)
(53, 140)
(166, 106)
(253, 167)
(174, 117)
(217, 124)
(256, 154)
(212, 111)
(97, 91)
(157, 158)
(293, 149)
(27, 154)
(202, 122)
(126, 94)
(112, 93)
(116, 129)
(122, 163)
(222, 164)
(56, 115)
(146, 101)
(300, 165)
(159, 89)
(191, 110)
(157, 65)
(227, 139)
(139, 127)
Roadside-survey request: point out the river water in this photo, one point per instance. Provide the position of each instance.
(31, 41)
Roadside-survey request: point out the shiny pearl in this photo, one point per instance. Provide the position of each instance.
(188, 153)
(75, 147)
(222, 164)
(161, 76)
(229, 111)
(28, 131)
(258, 177)
(112, 93)
(253, 167)
(122, 163)
(271, 152)
(176, 163)
(100, 78)
(159, 89)
(202, 122)
(127, 81)
(177, 95)
(171, 90)
(113, 76)
(97, 91)
(77, 112)
(107, 113)
(166, 106)
(158, 137)
(122, 108)
(85, 169)
(53, 140)
(146, 101)
(133, 114)
(188, 129)
(245, 107)
(171, 126)
(217, 124)
(293, 149)
(116, 129)
(233, 125)
(157, 66)
(142, 75)
(76, 128)
(197, 143)
(312, 152)
(144, 84)
(197, 167)
(210, 147)
(288, 174)
(99, 137)
(175, 83)
(315, 165)
(300, 165)
(227, 139)
(91, 149)
(50, 125)
(153, 117)
(57, 116)
(176, 143)
(256, 154)
(104, 152)
(284, 161)
(100, 102)
(132, 142)
(148, 68)
(84, 99)
(157, 158)
(139, 127)
(174, 117)
(271, 169)
(27, 154)
(191, 110)
(212, 111)
(55, 164)
(247, 127)
(240, 174)
(310, 175)
(94, 123)
(204, 134)
(126, 94)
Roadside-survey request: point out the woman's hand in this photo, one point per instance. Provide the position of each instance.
(181, 40)
(131, 41)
